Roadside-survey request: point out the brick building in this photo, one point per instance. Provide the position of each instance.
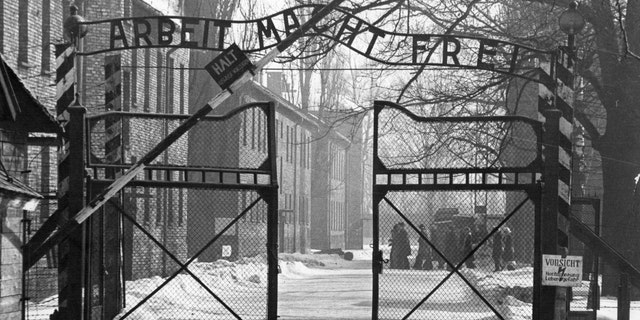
(24, 121)
(156, 80)
(317, 169)
(29, 29)
(148, 81)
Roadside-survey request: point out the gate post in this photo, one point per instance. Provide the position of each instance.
(272, 218)
(71, 196)
(111, 228)
(549, 220)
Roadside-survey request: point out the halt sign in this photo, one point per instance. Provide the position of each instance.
(227, 67)
(561, 272)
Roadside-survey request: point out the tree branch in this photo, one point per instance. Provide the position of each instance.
(448, 31)
(591, 129)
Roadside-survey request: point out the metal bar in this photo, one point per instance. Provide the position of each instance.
(458, 187)
(179, 184)
(185, 126)
(623, 297)
(376, 261)
(272, 217)
(171, 255)
(39, 238)
(549, 223)
(195, 256)
(186, 169)
(603, 249)
(169, 116)
(26, 222)
(388, 104)
(537, 253)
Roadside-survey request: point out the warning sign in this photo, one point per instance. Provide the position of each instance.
(227, 67)
(562, 272)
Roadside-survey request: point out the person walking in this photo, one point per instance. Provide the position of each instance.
(403, 247)
(451, 246)
(467, 247)
(423, 258)
(497, 250)
(437, 238)
(508, 256)
(393, 254)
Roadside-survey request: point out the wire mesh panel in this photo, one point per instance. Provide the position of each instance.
(492, 250)
(455, 201)
(184, 259)
(239, 140)
(406, 141)
(40, 286)
(194, 236)
(41, 280)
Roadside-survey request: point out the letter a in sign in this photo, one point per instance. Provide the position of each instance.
(227, 67)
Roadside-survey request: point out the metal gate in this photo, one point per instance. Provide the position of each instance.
(195, 236)
(456, 207)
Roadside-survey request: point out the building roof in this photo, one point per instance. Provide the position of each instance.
(286, 107)
(19, 105)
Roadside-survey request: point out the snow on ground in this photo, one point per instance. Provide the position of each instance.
(609, 309)
(325, 286)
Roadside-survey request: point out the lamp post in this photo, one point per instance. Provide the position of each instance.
(571, 22)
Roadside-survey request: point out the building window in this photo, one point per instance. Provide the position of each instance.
(147, 205)
(46, 37)
(253, 129)
(159, 82)
(287, 144)
(280, 173)
(2, 23)
(259, 133)
(181, 194)
(134, 79)
(147, 80)
(244, 128)
(308, 157)
(170, 208)
(23, 33)
(170, 85)
(182, 90)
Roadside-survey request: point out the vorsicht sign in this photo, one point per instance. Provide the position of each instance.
(562, 272)
(376, 44)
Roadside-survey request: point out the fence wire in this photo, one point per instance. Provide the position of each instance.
(446, 143)
(187, 254)
(40, 286)
(492, 250)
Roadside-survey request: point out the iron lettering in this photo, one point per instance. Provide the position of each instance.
(386, 47)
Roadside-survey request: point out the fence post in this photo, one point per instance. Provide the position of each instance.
(272, 217)
(623, 297)
(549, 220)
(72, 251)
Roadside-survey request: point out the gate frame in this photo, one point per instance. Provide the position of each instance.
(268, 192)
(543, 197)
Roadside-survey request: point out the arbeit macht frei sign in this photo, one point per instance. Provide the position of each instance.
(460, 51)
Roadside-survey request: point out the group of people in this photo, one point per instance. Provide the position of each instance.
(502, 250)
(454, 245)
(457, 245)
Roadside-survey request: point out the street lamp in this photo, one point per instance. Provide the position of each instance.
(571, 22)
(73, 27)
